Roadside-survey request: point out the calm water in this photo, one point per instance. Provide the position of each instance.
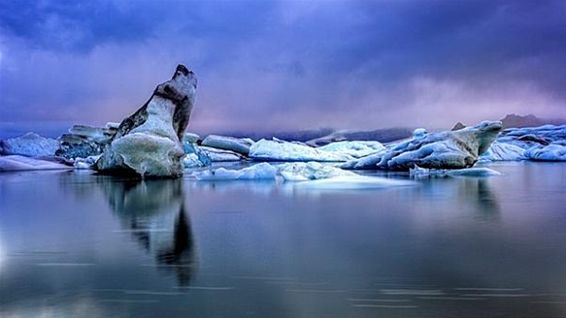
(77, 245)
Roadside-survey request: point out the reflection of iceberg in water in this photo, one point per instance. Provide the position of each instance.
(154, 213)
(478, 191)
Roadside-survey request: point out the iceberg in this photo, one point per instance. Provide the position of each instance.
(278, 150)
(443, 150)
(241, 146)
(260, 171)
(552, 152)
(355, 149)
(30, 144)
(84, 141)
(148, 143)
(19, 163)
(219, 155)
(418, 172)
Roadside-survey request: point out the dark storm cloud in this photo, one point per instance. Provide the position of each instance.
(286, 64)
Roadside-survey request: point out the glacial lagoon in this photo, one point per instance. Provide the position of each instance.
(76, 244)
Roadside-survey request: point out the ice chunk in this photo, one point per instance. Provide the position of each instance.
(278, 150)
(190, 138)
(85, 163)
(17, 163)
(419, 133)
(354, 149)
(241, 146)
(418, 172)
(260, 171)
(219, 155)
(552, 152)
(30, 144)
(301, 171)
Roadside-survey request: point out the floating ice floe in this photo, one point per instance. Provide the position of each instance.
(305, 171)
(278, 150)
(30, 144)
(353, 182)
(241, 146)
(219, 155)
(418, 172)
(356, 149)
(19, 163)
(260, 171)
(552, 152)
(311, 175)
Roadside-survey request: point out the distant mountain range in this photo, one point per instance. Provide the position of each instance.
(323, 136)
(518, 121)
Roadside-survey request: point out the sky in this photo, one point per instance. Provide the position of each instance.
(284, 65)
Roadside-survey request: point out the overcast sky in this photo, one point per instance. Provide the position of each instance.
(284, 65)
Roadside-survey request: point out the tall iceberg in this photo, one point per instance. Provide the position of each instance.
(148, 143)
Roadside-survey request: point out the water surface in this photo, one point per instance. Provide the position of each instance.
(74, 244)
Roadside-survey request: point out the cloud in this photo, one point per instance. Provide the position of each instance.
(266, 65)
